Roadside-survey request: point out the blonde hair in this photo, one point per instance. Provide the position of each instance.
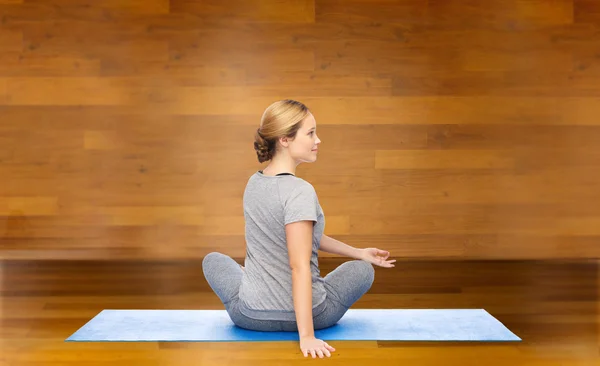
(281, 119)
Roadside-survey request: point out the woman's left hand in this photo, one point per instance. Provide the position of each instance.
(377, 257)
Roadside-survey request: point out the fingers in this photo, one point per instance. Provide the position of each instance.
(326, 348)
(383, 263)
(383, 253)
(387, 264)
(321, 352)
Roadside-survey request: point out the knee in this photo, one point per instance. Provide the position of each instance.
(367, 272)
(209, 259)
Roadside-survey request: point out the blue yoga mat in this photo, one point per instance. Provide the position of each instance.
(356, 324)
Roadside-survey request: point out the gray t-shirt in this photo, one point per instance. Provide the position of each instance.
(271, 202)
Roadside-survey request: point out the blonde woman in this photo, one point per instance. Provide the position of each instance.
(280, 287)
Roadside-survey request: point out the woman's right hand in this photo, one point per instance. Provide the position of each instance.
(315, 347)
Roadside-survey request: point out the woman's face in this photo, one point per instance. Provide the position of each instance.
(304, 147)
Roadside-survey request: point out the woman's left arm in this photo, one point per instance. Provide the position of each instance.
(330, 245)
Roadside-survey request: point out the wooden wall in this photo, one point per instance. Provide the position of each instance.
(450, 128)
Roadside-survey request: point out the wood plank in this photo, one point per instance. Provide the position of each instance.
(35, 206)
(65, 91)
(302, 11)
(442, 159)
(494, 14)
(48, 66)
(134, 6)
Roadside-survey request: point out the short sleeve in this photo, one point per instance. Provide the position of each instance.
(301, 204)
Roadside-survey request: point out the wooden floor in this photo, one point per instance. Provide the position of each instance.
(552, 305)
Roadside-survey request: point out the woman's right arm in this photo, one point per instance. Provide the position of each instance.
(299, 241)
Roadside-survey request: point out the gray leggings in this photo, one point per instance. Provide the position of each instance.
(344, 286)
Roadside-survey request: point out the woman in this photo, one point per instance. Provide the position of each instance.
(280, 287)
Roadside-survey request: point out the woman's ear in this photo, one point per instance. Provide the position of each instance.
(284, 141)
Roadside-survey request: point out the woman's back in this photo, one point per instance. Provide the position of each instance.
(270, 203)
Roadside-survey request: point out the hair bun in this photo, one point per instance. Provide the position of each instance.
(262, 147)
